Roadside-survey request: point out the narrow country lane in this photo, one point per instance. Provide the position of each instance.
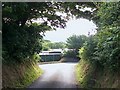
(60, 75)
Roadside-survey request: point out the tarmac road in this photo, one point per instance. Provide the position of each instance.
(60, 75)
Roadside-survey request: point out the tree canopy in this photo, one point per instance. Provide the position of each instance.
(22, 36)
(103, 49)
(47, 45)
(75, 42)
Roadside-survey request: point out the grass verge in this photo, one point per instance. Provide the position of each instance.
(90, 76)
(83, 73)
(20, 76)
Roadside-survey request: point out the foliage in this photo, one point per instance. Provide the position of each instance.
(108, 14)
(75, 42)
(109, 35)
(21, 42)
(108, 47)
(88, 49)
(20, 75)
(36, 57)
(104, 47)
(22, 36)
(57, 45)
(46, 45)
(84, 74)
(19, 13)
(70, 53)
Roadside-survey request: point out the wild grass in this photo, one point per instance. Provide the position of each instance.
(20, 76)
(89, 76)
(83, 73)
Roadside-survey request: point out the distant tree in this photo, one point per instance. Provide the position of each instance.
(75, 42)
(46, 45)
(57, 45)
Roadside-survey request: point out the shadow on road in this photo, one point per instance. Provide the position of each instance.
(59, 75)
(52, 84)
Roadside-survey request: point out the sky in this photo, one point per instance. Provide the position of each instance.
(74, 27)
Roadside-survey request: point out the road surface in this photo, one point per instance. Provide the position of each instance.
(60, 75)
